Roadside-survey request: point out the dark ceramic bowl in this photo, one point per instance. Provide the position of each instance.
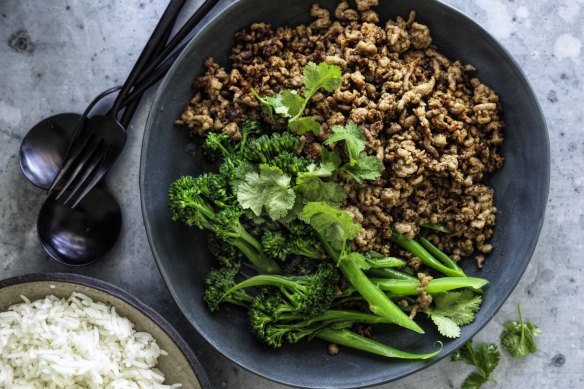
(179, 366)
(521, 190)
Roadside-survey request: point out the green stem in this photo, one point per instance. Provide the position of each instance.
(258, 259)
(243, 300)
(437, 285)
(334, 316)
(521, 321)
(436, 252)
(419, 251)
(256, 255)
(301, 111)
(265, 280)
(351, 339)
(223, 149)
(391, 273)
(203, 208)
(385, 262)
(253, 242)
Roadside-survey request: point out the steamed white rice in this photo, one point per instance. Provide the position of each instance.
(75, 343)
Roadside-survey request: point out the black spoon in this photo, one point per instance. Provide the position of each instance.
(81, 235)
(44, 147)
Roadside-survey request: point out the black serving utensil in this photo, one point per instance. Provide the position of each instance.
(82, 234)
(100, 141)
(44, 147)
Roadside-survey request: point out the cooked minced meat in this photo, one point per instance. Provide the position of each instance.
(435, 126)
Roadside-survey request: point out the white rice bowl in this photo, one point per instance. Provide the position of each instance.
(75, 343)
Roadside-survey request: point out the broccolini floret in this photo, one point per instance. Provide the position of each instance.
(218, 281)
(309, 295)
(217, 145)
(279, 246)
(225, 254)
(296, 265)
(193, 202)
(290, 163)
(266, 147)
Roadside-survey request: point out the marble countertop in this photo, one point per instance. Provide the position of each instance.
(56, 56)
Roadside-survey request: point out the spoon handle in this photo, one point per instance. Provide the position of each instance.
(166, 21)
(171, 50)
(157, 69)
(130, 109)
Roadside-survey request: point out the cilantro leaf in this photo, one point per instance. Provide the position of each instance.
(335, 225)
(325, 169)
(270, 189)
(464, 354)
(304, 124)
(517, 337)
(330, 156)
(474, 381)
(446, 326)
(273, 104)
(313, 188)
(453, 309)
(360, 166)
(353, 137)
(319, 76)
(485, 357)
(367, 167)
(292, 101)
(242, 169)
(316, 189)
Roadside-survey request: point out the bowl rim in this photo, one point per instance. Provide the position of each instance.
(117, 292)
(216, 20)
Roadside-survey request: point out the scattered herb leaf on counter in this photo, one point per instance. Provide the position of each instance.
(517, 337)
(484, 356)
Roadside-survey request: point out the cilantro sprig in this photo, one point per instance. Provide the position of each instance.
(360, 165)
(484, 356)
(291, 105)
(452, 310)
(312, 188)
(267, 189)
(517, 337)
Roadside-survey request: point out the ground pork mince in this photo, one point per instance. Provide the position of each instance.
(434, 125)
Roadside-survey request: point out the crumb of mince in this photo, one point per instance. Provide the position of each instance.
(435, 126)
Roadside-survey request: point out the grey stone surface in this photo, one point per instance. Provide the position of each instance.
(55, 56)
